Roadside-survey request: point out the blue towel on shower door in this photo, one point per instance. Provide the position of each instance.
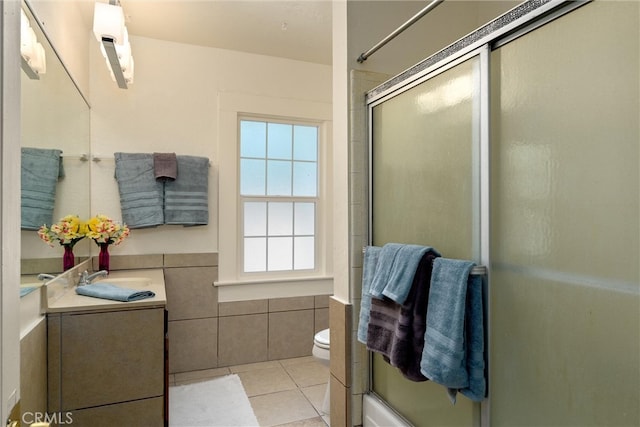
(186, 198)
(475, 341)
(40, 170)
(403, 271)
(370, 261)
(447, 351)
(141, 196)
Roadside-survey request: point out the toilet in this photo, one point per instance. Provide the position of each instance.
(321, 353)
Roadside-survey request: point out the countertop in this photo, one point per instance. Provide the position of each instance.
(65, 299)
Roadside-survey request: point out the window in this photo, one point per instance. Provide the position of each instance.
(278, 195)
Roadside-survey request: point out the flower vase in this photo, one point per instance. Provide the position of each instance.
(103, 257)
(68, 260)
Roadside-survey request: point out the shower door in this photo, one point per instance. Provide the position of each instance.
(425, 190)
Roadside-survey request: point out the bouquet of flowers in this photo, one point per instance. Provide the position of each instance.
(103, 229)
(68, 231)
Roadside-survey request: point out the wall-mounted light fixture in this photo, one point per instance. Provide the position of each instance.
(112, 34)
(34, 61)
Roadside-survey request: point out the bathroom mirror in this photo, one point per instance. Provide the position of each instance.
(55, 115)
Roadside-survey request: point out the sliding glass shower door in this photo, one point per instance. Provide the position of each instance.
(425, 145)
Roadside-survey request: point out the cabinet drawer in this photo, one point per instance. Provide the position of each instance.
(147, 413)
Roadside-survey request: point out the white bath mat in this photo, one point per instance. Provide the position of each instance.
(218, 402)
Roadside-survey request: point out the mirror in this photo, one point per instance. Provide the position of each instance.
(55, 115)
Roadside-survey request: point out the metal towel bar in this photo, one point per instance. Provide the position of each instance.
(478, 270)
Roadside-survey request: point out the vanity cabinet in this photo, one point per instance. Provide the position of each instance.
(108, 368)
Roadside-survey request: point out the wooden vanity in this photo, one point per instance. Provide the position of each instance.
(107, 359)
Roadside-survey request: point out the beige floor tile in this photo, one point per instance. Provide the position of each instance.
(281, 408)
(262, 381)
(315, 395)
(254, 366)
(310, 422)
(296, 360)
(308, 373)
(191, 376)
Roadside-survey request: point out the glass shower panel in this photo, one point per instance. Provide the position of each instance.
(565, 337)
(424, 191)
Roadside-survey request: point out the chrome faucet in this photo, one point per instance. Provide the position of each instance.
(86, 278)
(45, 276)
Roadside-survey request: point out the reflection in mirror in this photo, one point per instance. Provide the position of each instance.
(55, 116)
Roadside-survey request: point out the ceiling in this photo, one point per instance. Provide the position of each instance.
(294, 29)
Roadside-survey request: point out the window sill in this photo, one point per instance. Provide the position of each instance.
(243, 290)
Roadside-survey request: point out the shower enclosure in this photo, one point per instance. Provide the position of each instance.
(518, 148)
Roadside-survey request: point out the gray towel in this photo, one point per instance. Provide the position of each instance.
(369, 262)
(397, 331)
(447, 350)
(165, 166)
(186, 200)
(113, 292)
(141, 196)
(40, 171)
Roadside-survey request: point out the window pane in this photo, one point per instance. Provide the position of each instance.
(279, 146)
(255, 219)
(280, 253)
(304, 254)
(252, 177)
(278, 178)
(255, 254)
(304, 179)
(253, 139)
(280, 219)
(305, 218)
(305, 143)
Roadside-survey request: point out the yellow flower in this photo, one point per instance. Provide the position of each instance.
(68, 231)
(103, 229)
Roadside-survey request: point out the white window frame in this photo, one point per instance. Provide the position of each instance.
(233, 284)
(317, 200)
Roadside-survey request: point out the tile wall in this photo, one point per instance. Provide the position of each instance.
(206, 334)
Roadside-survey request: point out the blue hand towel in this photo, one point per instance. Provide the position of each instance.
(403, 270)
(475, 341)
(370, 261)
(444, 354)
(112, 292)
(141, 196)
(40, 170)
(187, 198)
(384, 265)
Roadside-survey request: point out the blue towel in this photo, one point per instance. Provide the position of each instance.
(40, 170)
(384, 265)
(395, 270)
(141, 196)
(475, 341)
(446, 349)
(186, 199)
(370, 261)
(403, 270)
(112, 292)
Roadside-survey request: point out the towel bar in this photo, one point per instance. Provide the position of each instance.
(478, 270)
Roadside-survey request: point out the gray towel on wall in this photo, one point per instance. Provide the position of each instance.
(186, 200)
(141, 198)
(40, 170)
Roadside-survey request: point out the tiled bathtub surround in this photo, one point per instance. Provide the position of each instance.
(206, 334)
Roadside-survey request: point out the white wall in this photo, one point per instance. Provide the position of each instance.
(173, 107)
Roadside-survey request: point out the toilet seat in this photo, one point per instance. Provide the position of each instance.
(321, 339)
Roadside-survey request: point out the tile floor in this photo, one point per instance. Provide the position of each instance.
(283, 393)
